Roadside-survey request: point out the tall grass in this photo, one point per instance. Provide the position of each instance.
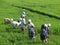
(10, 36)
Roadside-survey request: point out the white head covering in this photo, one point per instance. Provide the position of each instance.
(23, 15)
(23, 12)
(23, 9)
(29, 20)
(20, 19)
(49, 25)
(11, 19)
(45, 25)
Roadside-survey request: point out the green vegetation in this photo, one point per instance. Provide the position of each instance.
(10, 36)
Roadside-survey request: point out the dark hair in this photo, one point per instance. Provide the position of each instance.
(42, 26)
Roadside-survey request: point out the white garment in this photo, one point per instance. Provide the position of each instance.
(23, 22)
(19, 19)
(23, 14)
(32, 24)
(29, 25)
(47, 25)
(15, 24)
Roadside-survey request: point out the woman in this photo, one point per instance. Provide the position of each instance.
(30, 27)
(44, 33)
(23, 23)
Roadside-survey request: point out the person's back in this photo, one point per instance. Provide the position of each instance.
(31, 32)
(30, 25)
(31, 29)
(44, 33)
(23, 22)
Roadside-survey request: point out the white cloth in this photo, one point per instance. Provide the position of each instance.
(15, 24)
(29, 25)
(19, 19)
(23, 22)
(23, 15)
(47, 25)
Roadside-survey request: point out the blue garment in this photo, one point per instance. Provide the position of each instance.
(44, 32)
(31, 32)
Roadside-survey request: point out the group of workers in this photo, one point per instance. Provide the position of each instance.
(30, 26)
